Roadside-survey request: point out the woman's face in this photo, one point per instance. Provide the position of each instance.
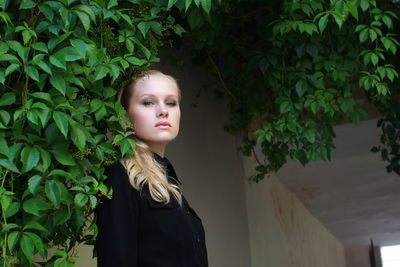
(154, 108)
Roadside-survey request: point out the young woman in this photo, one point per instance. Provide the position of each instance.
(148, 222)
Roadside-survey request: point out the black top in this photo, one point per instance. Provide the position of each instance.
(136, 231)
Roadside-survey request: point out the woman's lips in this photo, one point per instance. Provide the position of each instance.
(163, 125)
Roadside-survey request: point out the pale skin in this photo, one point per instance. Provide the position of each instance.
(155, 100)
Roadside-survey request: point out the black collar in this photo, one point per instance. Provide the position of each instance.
(167, 165)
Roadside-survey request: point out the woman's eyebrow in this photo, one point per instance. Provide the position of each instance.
(173, 95)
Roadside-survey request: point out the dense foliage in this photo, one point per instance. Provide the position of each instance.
(291, 70)
(61, 63)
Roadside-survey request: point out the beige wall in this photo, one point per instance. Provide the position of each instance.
(358, 256)
(282, 232)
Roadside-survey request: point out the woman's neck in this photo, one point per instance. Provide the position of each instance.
(159, 149)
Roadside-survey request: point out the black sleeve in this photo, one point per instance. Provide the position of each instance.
(117, 221)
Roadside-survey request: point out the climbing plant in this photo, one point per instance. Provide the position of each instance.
(61, 64)
(291, 70)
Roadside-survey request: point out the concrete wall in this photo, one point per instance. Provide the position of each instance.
(281, 230)
(358, 256)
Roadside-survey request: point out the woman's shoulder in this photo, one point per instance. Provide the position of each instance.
(116, 174)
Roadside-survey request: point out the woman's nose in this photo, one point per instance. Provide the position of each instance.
(162, 111)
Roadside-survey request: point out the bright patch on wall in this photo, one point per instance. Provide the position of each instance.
(390, 256)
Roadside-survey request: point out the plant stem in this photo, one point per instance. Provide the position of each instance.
(4, 177)
(3, 212)
(220, 76)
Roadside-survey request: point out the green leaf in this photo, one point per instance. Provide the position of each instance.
(96, 104)
(171, 3)
(8, 57)
(87, 10)
(353, 9)
(69, 53)
(35, 205)
(12, 240)
(112, 3)
(301, 87)
(364, 4)
(63, 157)
(27, 36)
(40, 46)
(14, 150)
(44, 116)
(4, 16)
(12, 209)
(100, 113)
(44, 67)
(9, 226)
(32, 72)
(144, 27)
(33, 225)
(310, 135)
(339, 18)
(323, 21)
(10, 69)
(363, 35)
(47, 12)
(34, 183)
(136, 61)
(80, 46)
(5, 117)
(7, 99)
(27, 247)
(3, 48)
(84, 19)
(29, 157)
(61, 216)
(81, 199)
(206, 4)
(374, 59)
(61, 120)
(178, 29)
(37, 241)
(43, 96)
(156, 27)
(388, 21)
(58, 81)
(46, 158)
(27, 4)
(58, 60)
(5, 200)
(62, 173)
(102, 71)
(285, 107)
(78, 137)
(52, 192)
(4, 147)
(56, 41)
(2, 78)
(93, 201)
(187, 4)
(33, 116)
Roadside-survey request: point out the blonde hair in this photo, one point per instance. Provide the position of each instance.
(143, 168)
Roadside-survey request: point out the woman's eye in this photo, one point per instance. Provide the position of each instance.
(171, 103)
(147, 102)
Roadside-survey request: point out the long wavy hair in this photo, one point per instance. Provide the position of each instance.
(143, 169)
